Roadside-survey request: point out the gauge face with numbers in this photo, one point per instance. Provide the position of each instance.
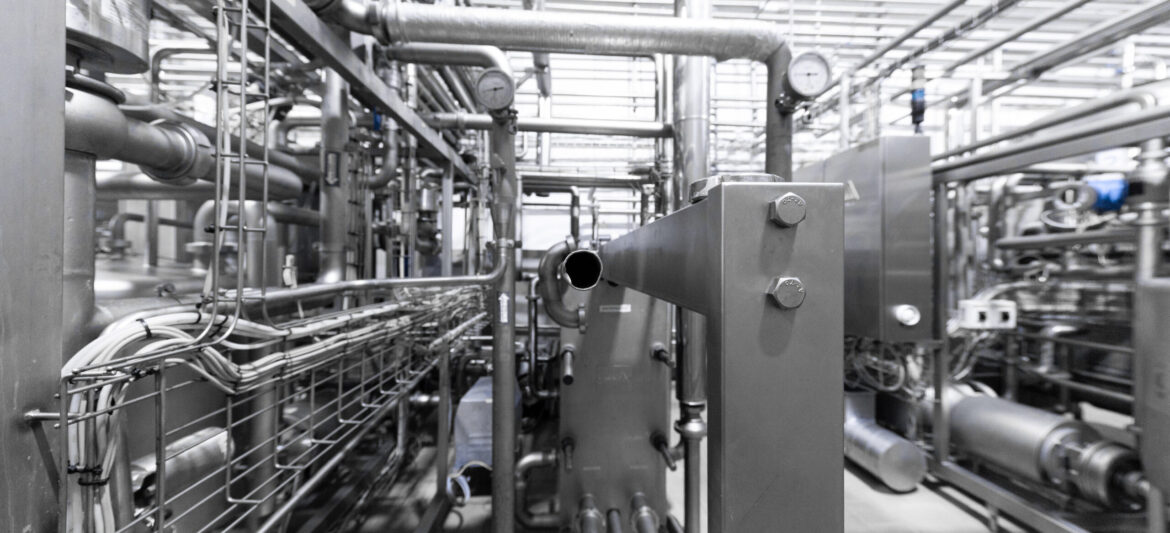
(809, 74)
(495, 89)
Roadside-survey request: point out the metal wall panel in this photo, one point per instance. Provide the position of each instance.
(887, 234)
(32, 170)
(619, 398)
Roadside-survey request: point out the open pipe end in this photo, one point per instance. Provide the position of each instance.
(582, 269)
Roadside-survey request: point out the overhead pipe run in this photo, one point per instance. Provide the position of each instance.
(544, 31)
(630, 128)
(170, 152)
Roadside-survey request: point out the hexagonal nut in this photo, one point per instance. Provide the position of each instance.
(788, 293)
(787, 210)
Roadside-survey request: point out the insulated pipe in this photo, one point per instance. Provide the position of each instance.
(630, 128)
(77, 252)
(473, 55)
(550, 289)
(138, 186)
(544, 31)
(168, 151)
(1018, 438)
(896, 462)
(307, 173)
(335, 183)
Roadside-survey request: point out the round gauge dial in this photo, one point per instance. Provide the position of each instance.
(809, 74)
(495, 89)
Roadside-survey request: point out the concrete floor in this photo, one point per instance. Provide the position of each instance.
(872, 508)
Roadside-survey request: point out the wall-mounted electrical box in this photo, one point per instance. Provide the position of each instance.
(888, 271)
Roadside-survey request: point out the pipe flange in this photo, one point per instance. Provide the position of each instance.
(1057, 448)
(387, 23)
(197, 160)
(1098, 466)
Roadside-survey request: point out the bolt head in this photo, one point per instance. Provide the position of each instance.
(788, 293)
(787, 210)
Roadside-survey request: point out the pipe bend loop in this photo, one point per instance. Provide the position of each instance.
(563, 266)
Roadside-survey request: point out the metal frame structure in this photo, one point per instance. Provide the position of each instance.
(718, 258)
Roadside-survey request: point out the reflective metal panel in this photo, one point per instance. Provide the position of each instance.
(888, 275)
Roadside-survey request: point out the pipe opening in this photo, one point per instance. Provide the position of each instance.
(582, 269)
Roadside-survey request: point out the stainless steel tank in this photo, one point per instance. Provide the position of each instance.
(109, 35)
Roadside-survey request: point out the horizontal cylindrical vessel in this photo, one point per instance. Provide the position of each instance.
(895, 461)
(109, 35)
(1017, 438)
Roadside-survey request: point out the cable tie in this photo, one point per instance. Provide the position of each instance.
(146, 327)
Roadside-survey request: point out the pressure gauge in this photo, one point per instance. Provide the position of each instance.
(495, 89)
(809, 74)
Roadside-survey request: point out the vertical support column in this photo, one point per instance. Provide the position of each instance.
(942, 428)
(443, 438)
(31, 146)
(447, 220)
(151, 223)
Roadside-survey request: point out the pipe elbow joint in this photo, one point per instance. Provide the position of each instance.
(195, 159)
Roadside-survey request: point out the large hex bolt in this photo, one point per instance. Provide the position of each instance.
(787, 210)
(788, 293)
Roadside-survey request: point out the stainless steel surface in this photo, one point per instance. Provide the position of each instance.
(299, 22)
(887, 235)
(32, 335)
(1153, 301)
(336, 181)
(628, 128)
(732, 252)
(1015, 437)
(109, 35)
(619, 397)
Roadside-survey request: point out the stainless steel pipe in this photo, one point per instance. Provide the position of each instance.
(550, 285)
(895, 461)
(171, 152)
(631, 128)
(546, 31)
